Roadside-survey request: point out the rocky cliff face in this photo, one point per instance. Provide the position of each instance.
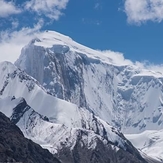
(14, 147)
(102, 153)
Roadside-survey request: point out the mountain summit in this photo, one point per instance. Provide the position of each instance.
(122, 94)
(73, 100)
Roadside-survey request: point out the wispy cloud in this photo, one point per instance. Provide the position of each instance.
(11, 42)
(91, 21)
(49, 8)
(143, 67)
(97, 5)
(14, 38)
(140, 11)
(116, 57)
(14, 23)
(8, 8)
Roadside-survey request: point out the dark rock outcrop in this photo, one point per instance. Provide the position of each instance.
(15, 148)
(102, 153)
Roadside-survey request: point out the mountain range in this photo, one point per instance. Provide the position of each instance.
(76, 102)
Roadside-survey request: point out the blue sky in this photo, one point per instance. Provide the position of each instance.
(134, 28)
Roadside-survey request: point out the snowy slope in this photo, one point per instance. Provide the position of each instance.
(62, 132)
(120, 93)
(16, 84)
(52, 135)
(149, 142)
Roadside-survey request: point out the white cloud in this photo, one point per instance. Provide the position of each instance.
(8, 8)
(156, 68)
(11, 43)
(49, 8)
(144, 67)
(15, 23)
(139, 11)
(97, 5)
(116, 57)
(91, 21)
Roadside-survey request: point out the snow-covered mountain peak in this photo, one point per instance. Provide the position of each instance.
(54, 40)
(87, 91)
(117, 91)
(50, 38)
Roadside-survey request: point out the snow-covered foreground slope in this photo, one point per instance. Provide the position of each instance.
(56, 124)
(122, 94)
(149, 142)
(54, 135)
